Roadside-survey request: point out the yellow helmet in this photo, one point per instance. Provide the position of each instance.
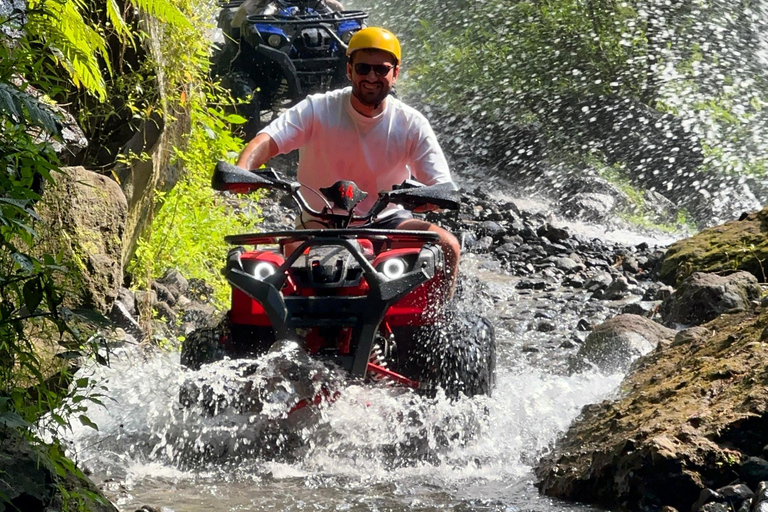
(374, 38)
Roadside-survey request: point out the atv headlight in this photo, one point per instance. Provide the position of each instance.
(346, 36)
(263, 270)
(274, 40)
(393, 268)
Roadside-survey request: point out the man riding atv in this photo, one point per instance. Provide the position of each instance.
(361, 133)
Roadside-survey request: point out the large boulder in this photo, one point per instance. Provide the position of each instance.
(614, 344)
(735, 245)
(84, 217)
(702, 297)
(691, 416)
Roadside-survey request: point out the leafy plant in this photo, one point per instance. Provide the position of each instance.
(188, 230)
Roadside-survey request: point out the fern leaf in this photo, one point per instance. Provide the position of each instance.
(14, 103)
(73, 42)
(114, 17)
(164, 11)
(8, 103)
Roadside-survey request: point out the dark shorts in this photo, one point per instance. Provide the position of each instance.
(392, 221)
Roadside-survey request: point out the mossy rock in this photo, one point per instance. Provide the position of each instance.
(84, 219)
(735, 245)
(688, 415)
(30, 481)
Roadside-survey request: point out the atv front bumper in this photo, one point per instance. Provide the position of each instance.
(362, 313)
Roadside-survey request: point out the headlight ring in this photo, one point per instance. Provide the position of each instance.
(263, 270)
(394, 268)
(274, 41)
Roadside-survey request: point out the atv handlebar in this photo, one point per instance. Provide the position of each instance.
(410, 194)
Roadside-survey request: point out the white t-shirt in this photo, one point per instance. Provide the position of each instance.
(336, 142)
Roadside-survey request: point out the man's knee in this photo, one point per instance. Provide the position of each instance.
(447, 240)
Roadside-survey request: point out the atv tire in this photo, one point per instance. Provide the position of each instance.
(457, 355)
(205, 345)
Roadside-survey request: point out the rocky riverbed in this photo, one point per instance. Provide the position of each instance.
(687, 430)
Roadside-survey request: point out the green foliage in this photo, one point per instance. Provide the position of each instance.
(540, 62)
(73, 42)
(188, 230)
(38, 333)
(191, 220)
(79, 44)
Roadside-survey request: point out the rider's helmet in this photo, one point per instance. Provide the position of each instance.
(374, 38)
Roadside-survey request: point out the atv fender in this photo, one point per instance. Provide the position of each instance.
(282, 60)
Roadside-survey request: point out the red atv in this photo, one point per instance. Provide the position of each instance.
(358, 297)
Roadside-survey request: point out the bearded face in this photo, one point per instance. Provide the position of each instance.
(373, 74)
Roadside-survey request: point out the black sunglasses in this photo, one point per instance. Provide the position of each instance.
(363, 69)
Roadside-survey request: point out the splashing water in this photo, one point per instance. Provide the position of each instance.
(373, 448)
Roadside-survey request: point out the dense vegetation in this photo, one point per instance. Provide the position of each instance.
(95, 58)
(592, 81)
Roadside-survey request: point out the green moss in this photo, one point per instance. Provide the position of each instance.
(735, 245)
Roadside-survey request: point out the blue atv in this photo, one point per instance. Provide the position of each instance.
(277, 52)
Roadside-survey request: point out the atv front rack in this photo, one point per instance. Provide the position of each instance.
(333, 17)
(362, 313)
(275, 237)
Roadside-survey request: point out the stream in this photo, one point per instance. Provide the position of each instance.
(373, 449)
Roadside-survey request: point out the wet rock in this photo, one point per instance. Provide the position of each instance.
(176, 283)
(163, 294)
(546, 327)
(714, 507)
(566, 264)
(127, 298)
(741, 245)
(753, 471)
(532, 284)
(706, 496)
(574, 281)
(84, 217)
(552, 233)
(736, 493)
(658, 291)
(618, 289)
(483, 244)
(491, 228)
(591, 207)
(30, 481)
(688, 418)
(643, 308)
(196, 316)
(164, 311)
(506, 251)
(630, 264)
(614, 344)
(702, 297)
(200, 290)
(599, 281)
(123, 319)
(145, 299)
(692, 336)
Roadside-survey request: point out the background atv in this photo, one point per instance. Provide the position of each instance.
(288, 49)
(361, 298)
